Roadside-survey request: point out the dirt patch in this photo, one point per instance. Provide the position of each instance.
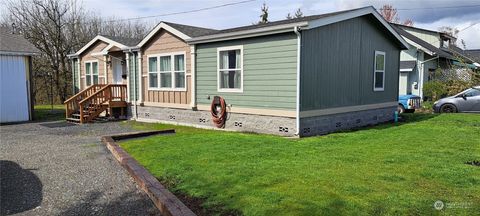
(197, 204)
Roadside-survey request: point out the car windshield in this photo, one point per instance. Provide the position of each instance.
(472, 92)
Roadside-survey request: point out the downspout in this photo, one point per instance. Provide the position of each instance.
(296, 29)
(422, 75)
(193, 96)
(135, 116)
(140, 78)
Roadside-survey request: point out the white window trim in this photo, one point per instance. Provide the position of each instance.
(172, 71)
(239, 90)
(375, 70)
(91, 75)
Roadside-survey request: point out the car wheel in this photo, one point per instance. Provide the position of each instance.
(448, 108)
(400, 109)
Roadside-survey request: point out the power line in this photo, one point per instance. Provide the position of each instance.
(433, 8)
(469, 26)
(182, 12)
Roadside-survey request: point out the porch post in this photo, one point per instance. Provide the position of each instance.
(127, 58)
(105, 69)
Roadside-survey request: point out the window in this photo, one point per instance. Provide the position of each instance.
(472, 93)
(152, 72)
(167, 71)
(230, 72)
(379, 71)
(179, 71)
(91, 73)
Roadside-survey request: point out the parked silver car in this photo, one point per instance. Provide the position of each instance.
(465, 101)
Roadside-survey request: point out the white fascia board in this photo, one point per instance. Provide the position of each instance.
(406, 70)
(102, 38)
(357, 13)
(166, 27)
(418, 46)
(18, 53)
(247, 33)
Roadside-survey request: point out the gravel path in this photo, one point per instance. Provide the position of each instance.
(65, 171)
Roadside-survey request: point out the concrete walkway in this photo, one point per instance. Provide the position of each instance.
(60, 169)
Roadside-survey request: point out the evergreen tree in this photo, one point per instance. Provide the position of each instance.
(264, 15)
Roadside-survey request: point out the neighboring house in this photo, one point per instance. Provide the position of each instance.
(474, 54)
(305, 76)
(16, 102)
(429, 51)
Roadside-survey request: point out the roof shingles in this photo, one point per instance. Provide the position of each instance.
(15, 43)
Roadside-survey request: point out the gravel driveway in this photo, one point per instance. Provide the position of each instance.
(65, 171)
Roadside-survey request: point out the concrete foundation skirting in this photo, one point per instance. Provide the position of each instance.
(319, 125)
(164, 200)
(284, 126)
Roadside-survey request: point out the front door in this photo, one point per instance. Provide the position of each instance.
(117, 70)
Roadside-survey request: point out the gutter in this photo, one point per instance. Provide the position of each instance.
(193, 102)
(296, 29)
(246, 33)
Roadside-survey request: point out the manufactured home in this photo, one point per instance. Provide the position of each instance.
(306, 76)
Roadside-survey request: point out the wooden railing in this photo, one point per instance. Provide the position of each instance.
(72, 104)
(99, 101)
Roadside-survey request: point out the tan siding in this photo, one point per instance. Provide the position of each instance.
(86, 56)
(164, 42)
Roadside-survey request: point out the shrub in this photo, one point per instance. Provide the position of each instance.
(434, 90)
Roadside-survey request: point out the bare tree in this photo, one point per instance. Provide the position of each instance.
(389, 13)
(452, 31)
(58, 28)
(298, 13)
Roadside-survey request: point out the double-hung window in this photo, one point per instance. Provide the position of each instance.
(166, 72)
(91, 73)
(230, 69)
(379, 71)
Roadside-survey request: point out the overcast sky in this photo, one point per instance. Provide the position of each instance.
(430, 16)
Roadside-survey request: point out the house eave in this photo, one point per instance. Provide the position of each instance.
(247, 33)
(14, 53)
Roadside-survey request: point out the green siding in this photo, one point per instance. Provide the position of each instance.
(269, 72)
(133, 76)
(76, 76)
(337, 65)
(430, 37)
(409, 55)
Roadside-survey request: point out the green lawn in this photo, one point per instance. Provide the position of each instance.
(45, 112)
(389, 169)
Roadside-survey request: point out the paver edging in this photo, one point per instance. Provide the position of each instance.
(166, 202)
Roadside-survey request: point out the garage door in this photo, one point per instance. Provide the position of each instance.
(13, 89)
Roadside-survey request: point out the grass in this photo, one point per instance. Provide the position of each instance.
(45, 112)
(385, 170)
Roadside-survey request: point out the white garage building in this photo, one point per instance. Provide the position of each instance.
(16, 103)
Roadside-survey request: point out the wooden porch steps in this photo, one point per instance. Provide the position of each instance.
(97, 104)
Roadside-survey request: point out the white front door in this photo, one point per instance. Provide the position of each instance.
(117, 70)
